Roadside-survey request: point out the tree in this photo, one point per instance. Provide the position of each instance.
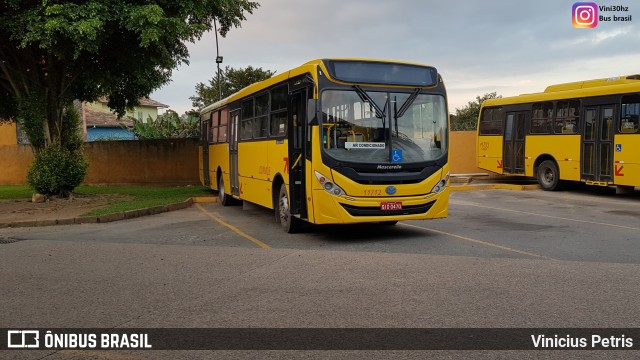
(231, 80)
(59, 168)
(467, 117)
(53, 52)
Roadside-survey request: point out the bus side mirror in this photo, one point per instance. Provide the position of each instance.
(312, 112)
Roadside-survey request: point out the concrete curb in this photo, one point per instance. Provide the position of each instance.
(112, 217)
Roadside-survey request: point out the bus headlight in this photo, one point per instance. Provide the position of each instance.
(329, 186)
(441, 185)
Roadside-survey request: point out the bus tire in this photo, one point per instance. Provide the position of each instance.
(548, 176)
(290, 223)
(224, 198)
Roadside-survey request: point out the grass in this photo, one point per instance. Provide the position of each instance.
(141, 196)
(138, 197)
(15, 192)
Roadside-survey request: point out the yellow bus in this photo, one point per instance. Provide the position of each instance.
(584, 131)
(333, 141)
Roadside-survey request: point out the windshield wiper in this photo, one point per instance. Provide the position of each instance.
(366, 98)
(403, 109)
(407, 103)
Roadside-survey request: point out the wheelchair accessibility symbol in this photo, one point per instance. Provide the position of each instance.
(396, 156)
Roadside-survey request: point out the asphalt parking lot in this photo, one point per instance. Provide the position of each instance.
(502, 259)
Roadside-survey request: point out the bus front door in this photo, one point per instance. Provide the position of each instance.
(233, 153)
(597, 144)
(514, 139)
(297, 130)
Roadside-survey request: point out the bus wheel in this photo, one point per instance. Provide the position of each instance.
(548, 176)
(225, 200)
(289, 223)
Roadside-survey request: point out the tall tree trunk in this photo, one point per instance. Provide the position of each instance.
(55, 101)
(47, 134)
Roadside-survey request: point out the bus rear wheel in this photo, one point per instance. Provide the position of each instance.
(223, 197)
(548, 176)
(289, 223)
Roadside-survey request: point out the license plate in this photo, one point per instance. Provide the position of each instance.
(386, 206)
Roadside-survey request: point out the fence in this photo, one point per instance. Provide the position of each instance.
(142, 162)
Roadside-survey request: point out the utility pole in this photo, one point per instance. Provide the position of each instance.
(218, 60)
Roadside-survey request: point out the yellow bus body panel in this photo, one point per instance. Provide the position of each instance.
(219, 159)
(200, 167)
(490, 153)
(258, 163)
(278, 160)
(565, 149)
(626, 168)
(252, 172)
(309, 190)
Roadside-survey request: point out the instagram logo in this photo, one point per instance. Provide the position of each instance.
(584, 15)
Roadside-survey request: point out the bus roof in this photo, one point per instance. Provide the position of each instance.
(255, 87)
(579, 89)
(307, 67)
(631, 79)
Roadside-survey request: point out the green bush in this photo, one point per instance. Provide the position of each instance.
(56, 171)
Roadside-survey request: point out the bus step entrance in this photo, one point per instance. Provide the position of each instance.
(597, 183)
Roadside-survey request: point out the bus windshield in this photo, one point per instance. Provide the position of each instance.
(399, 127)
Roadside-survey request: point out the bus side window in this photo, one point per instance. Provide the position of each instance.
(566, 117)
(279, 124)
(541, 118)
(630, 114)
(224, 119)
(492, 121)
(261, 121)
(246, 129)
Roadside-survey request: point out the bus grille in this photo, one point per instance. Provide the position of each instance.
(375, 210)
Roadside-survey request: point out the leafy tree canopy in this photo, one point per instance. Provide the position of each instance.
(466, 118)
(55, 51)
(230, 81)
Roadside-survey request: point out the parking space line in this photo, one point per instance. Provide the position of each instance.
(553, 217)
(234, 229)
(484, 243)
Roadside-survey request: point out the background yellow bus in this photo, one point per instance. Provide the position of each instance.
(333, 141)
(583, 131)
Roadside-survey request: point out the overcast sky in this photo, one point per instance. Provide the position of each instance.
(510, 47)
